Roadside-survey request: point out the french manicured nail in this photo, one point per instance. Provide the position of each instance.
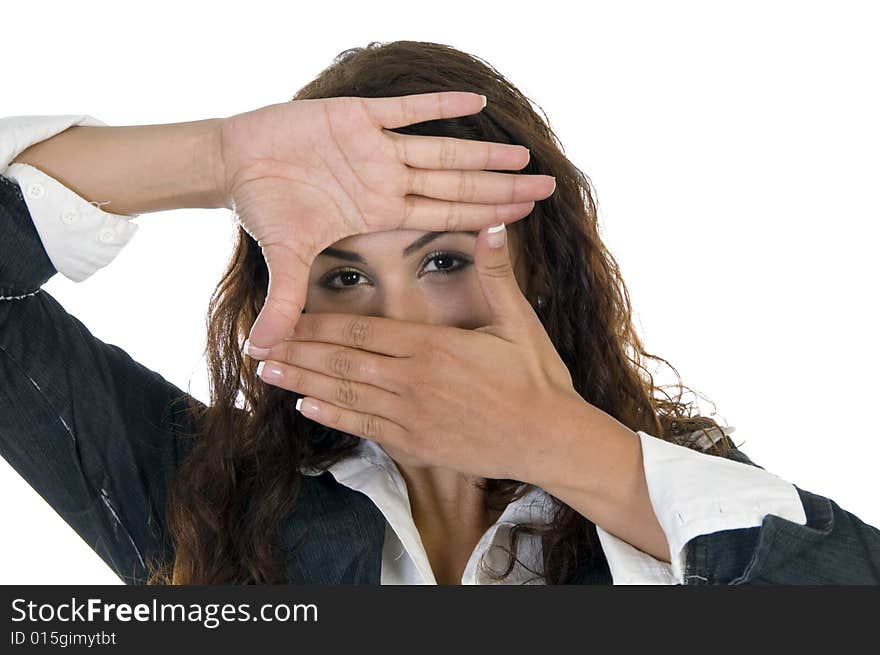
(255, 351)
(307, 406)
(484, 101)
(270, 373)
(495, 235)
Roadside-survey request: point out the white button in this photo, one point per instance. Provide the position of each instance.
(69, 216)
(35, 190)
(107, 235)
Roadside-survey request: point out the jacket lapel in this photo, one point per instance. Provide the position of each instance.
(334, 535)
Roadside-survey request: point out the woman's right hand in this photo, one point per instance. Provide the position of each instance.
(304, 174)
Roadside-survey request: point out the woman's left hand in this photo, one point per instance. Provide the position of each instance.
(482, 402)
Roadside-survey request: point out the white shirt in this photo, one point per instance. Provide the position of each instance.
(692, 493)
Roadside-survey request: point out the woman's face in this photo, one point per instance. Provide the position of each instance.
(410, 275)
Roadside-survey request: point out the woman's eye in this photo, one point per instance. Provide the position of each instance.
(443, 263)
(346, 276)
(439, 263)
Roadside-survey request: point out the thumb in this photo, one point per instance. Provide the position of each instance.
(497, 279)
(285, 296)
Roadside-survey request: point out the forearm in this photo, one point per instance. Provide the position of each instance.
(596, 469)
(136, 169)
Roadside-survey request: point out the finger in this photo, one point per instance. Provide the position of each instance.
(285, 296)
(443, 152)
(509, 309)
(352, 395)
(445, 215)
(377, 334)
(479, 186)
(368, 426)
(342, 362)
(399, 111)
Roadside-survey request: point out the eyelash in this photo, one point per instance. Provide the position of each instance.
(325, 281)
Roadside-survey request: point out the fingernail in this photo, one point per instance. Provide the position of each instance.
(255, 351)
(484, 100)
(268, 373)
(496, 235)
(309, 407)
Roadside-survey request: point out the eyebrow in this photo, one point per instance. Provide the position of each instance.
(422, 241)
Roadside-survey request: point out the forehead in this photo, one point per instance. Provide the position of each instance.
(397, 242)
(391, 237)
(404, 240)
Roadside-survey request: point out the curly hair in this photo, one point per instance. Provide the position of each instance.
(243, 473)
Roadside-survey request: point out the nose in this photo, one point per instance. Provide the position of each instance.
(407, 304)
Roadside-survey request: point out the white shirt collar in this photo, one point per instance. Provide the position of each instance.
(370, 470)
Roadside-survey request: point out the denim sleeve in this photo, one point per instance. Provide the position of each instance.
(834, 547)
(94, 432)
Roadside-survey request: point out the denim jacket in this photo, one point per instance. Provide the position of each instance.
(94, 433)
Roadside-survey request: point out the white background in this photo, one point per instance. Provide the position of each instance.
(733, 147)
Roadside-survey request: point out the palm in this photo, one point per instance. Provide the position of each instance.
(328, 154)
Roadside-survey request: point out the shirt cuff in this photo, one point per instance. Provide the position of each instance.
(78, 236)
(18, 133)
(692, 494)
(629, 565)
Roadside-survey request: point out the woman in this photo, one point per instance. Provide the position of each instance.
(258, 493)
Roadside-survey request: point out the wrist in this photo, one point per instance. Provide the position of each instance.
(596, 468)
(586, 450)
(178, 167)
(210, 173)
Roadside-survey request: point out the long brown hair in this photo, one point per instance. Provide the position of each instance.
(242, 475)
